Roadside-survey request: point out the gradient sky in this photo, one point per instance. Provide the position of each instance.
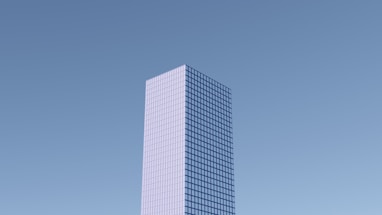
(307, 97)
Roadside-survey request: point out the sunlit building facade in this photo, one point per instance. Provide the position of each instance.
(188, 147)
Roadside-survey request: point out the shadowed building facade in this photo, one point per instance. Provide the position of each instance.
(188, 147)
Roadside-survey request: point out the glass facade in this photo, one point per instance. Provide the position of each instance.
(209, 149)
(188, 146)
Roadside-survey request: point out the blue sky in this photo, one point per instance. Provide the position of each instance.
(306, 79)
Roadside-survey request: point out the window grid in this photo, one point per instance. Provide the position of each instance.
(209, 146)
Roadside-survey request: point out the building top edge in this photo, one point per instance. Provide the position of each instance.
(187, 68)
(180, 68)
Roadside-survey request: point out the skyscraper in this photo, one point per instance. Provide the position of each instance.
(188, 146)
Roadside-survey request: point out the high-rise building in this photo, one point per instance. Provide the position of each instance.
(188, 146)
